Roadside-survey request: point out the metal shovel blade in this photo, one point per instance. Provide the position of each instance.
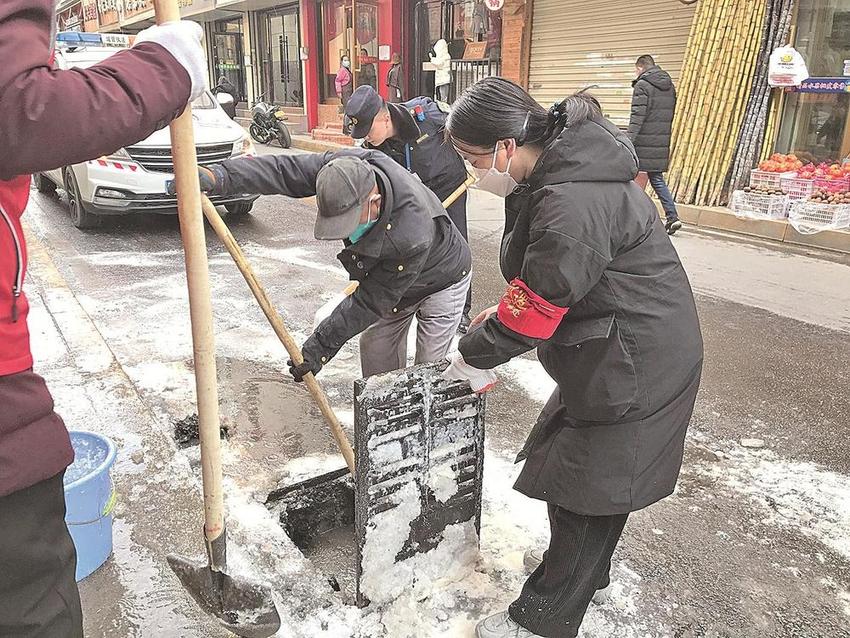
(244, 608)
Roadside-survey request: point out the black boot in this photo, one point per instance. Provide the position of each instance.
(672, 226)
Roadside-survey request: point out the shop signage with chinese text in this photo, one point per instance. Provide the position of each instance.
(824, 85)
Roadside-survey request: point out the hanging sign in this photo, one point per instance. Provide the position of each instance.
(824, 85)
(494, 5)
(786, 67)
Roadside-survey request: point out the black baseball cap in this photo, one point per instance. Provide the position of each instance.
(361, 109)
(342, 186)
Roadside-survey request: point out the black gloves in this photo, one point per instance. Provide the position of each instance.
(314, 359)
(206, 177)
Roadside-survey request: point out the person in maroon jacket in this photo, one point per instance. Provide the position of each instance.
(48, 119)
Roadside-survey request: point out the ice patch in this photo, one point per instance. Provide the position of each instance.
(531, 377)
(296, 256)
(443, 482)
(796, 494)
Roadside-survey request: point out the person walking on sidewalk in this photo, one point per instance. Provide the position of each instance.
(412, 134)
(595, 285)
(650, 128)
(51, 119)
(398, 242)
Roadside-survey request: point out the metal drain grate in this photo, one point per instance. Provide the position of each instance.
(417, 436)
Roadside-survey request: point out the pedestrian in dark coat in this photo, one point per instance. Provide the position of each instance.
(54, 118)
(412, 133)
(408, 256)
(650, 129)
(595, 286)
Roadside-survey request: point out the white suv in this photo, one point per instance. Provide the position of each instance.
(133, 179)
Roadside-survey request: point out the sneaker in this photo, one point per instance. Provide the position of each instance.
(532, 559)
(501, 625)
(672, 226)
(464, 324)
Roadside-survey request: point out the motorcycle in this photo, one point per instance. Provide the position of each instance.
(267, 124)
(225, 95)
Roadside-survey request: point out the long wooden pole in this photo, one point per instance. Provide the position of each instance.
(200, 305)
(279, 328)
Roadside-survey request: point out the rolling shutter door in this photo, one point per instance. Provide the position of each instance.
(576, 43)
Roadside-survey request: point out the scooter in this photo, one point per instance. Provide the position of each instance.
(267, 124)
(224, 93)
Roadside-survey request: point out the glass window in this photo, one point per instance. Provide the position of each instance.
(823, 36)
(815, 126)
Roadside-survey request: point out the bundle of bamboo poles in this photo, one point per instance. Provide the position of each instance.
(713, 94)
(760, 119)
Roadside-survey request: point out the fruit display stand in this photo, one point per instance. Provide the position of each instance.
(758, 204)
(797, 187)
(825, 209)
(836, 185)
(768, 179)
(808, 217)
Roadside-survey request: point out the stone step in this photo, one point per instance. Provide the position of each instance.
(331, 135)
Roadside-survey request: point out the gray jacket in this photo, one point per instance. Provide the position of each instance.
(627, 356)
(412, 252)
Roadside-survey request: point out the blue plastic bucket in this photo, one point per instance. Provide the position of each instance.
(90, 499)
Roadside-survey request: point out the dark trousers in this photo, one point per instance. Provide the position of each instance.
(555, 597)
(38, 594)
(660, 188)
(457, 213)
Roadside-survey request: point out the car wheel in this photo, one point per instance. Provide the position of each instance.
(80, 217)
(239, 209)
(260, 135)
(43, 184)
(284, 137)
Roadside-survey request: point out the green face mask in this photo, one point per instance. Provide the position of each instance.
(361, 230)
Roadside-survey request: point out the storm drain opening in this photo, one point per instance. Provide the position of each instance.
(411, 518)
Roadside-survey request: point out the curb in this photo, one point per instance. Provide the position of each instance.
(307, 143)
(721, 218)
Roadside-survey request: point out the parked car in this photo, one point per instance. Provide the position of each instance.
(133, 178)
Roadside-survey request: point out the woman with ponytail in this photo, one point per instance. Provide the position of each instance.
(595, 285)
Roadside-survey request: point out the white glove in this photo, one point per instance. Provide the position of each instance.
(459, 370)
(182, 40)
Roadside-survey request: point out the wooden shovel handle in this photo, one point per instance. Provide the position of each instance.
(278, 326)
(200, 306)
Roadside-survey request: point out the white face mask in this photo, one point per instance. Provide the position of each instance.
(495, 181)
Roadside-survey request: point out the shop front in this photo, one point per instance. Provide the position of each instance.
(228, 54)
(815, 123)
(279, 30)
(69, 16)
(576, 45)
(472, 30)
(364, 32)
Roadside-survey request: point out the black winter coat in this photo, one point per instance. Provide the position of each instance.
(651, 123)
(627, 356)
(421, 148)
(413, 251)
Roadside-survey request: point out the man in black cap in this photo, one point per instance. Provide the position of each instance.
(412, 134)
(400, 244)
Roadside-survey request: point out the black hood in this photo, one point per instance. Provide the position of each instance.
(657, 77)
(591, 151)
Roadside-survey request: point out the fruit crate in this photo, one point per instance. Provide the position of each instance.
(809, 218)
(759, 205)
(766, 179)
(797, 187)
(832, 185)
